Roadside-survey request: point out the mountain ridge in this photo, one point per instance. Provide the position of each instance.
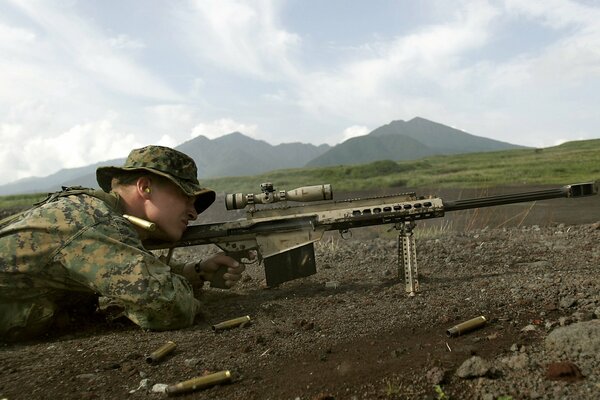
(236, 154)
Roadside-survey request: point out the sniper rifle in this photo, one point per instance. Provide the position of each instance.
(284, 236)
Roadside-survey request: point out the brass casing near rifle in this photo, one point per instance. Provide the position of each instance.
(142, 223)
(161, 352)
(232, 323)
(466, 326)
(200, 382)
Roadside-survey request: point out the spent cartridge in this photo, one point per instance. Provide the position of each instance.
(466, 326)
(161, 352)
(140, 222)
(200, 382)
(232, 323)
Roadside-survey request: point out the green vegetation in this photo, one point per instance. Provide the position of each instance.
(20, 200)
(440, 393)
(571, 162)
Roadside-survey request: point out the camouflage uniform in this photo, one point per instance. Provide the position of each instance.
(79, 245)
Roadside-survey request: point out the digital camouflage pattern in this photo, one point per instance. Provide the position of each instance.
(174, 165)
(81, 245)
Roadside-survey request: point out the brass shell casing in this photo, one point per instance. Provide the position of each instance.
(200, 382)
(466, 326)
(232, 323)
(142, 223)
(161, 352)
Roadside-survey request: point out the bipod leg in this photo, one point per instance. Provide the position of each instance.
(407, 257)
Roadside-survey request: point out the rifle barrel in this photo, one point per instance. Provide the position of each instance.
(576, 190)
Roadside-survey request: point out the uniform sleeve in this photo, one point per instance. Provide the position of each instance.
(111, 261)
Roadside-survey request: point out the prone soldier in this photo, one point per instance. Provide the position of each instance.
(80, 244)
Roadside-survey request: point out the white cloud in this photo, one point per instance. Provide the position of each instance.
(355, 131)
(123, 41)
(12, 38)
(240, 36)
(175, 71)
(407, 71)
(223, 126)
(167, 141)
(41, 155)
(177, 119)
(76, 45)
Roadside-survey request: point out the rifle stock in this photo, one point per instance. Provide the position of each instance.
(284, 236)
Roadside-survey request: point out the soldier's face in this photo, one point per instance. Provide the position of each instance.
(170, 208)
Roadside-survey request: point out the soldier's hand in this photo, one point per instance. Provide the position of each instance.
(221, 267)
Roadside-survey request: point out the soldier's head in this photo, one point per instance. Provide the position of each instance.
(165, 184)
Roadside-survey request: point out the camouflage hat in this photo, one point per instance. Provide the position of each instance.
(164, 161)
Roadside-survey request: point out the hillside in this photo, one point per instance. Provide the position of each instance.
(229, 155)
(236, 154)
(570, 162)
(407, 140)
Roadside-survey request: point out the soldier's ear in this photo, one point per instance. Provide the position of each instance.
(143, 186)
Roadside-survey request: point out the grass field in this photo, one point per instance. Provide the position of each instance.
(571, 162)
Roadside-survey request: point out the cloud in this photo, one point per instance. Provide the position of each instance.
(67, 42)
(354, 131)
(42, 155)
(403, 72)
(123, 41)
(223, 126)
(241, 36)
(442, 71)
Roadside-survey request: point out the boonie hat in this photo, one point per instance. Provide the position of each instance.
(166, 162)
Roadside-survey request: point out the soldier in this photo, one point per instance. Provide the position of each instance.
(78, 245)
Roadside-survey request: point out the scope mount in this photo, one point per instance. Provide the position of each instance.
(267, 187)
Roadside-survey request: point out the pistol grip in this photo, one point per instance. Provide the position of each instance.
(218, 281)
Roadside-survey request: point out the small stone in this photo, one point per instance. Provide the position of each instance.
(436, 376)
(582, 316)
(564, 321)
(563, 371)
(529, 328)
(191, 362)
(159, 388)
(332, 284)
(518, 361)
(474, 367)
(567, 302)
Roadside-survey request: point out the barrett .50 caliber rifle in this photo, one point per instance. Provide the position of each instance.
(283, 236)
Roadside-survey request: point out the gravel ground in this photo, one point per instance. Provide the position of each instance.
(350, 332)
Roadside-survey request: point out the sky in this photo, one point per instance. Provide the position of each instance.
(87, 81)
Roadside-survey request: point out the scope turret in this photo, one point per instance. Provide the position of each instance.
(237, 201)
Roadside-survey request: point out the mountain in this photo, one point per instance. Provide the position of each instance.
(402, 140)
(365, 149)
(236, 154)
(84, 176)
(231, 155)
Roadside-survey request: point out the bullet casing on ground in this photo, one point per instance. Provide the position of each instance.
(232, 323)
(200, 382)
(161, 352)
(466, 326)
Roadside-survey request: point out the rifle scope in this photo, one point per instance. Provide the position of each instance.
(237, 201)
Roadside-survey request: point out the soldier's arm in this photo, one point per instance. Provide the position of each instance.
(115, 265)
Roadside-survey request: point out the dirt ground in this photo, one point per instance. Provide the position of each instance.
(350, 331)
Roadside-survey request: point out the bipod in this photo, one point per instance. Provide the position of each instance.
(407, 256)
